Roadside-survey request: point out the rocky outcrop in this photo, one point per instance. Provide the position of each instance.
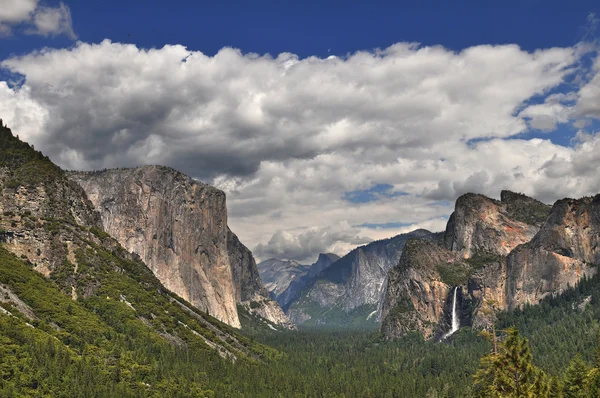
(178, 226)
(296, 286)
(324, 261)
(352, 285)
(416, 296)
(500, 254)
(42, 212)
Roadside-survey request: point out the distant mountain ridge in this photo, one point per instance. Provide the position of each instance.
(348, 292)
(285, 279)
(277, 274)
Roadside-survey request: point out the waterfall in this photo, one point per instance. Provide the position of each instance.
(455, 318)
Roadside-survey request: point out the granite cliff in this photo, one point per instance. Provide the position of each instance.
(566, 248)
(499, 254)
(249, 290)
(74, 283)
(178, 226)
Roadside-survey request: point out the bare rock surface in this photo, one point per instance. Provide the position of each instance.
(178, 226)
(499, 254)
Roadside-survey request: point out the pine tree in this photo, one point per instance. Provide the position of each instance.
(556, 388)
(510, 372)
(575, 379)
(593, 382)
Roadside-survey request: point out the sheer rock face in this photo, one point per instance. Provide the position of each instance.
(246, 278)
(354, 281)
(562, 252)
(416, 296)
(178, 226)
(514, 251)
(481, 224)
(249, 290)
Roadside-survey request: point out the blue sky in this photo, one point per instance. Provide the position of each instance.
(318, 27)
(321, 121)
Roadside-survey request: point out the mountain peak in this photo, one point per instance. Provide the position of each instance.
(327, 257)
(507, 196)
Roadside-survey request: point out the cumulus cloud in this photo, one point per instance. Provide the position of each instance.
(303, 246)
(588, 104)
(15, 11)
(37, 18)
(291, 139)
(556, 108)
(230, 112)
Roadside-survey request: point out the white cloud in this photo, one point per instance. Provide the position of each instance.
(53, 21)
(589, 95)
(38, 19)
(286, 137)
(15, 11)
(17, 108)
(340, 238)
(556, 108)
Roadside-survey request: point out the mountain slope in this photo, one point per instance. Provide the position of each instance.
(67, 283)
(500, 255)
(348, 292)
(178, 226)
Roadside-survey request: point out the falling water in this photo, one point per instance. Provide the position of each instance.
(455, 320)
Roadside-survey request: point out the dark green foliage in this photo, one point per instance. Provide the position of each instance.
(480, 259)
(103, 341)
(29, 167)
(454, 274)
(359, 364)
(510, 372)
(575, 379)
(458, 272)
(403, 305)
(255, 304)
(100, 234)
(560, 327)
(525, 209)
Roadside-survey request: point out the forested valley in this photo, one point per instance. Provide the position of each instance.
(87, 362)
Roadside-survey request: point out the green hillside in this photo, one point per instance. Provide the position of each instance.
(100, 324)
